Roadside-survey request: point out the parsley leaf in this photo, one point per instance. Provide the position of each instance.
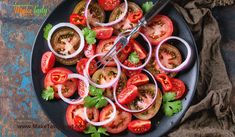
(90, 129)
(134, 58)
(89, 35)
(46, 30)
(48, 94)
(96, 133)
(103, 131)
(101, 103)
(147, 6)
(90, 101)
(169, 96)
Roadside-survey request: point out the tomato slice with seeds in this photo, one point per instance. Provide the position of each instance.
(47, 61)
(138, 79)
(103, 32)
(89, 50)
(131, 73)
(59, 77)
(135, 16)
(109, 5)
(77, 19)
(128, 94)
(141, 52)
(79, 124)
(165, 81)
(105, 75)
(139, 126)
(120, 122)
(82, 64)
(178, 87)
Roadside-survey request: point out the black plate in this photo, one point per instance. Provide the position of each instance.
(55, 110)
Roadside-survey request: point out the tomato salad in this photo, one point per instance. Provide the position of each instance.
(125, 93)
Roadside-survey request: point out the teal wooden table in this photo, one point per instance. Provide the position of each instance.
(20, 113)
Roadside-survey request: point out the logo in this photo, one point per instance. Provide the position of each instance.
(26, 10)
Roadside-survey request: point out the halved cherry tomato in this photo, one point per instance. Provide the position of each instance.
(138, 79)
(165, 81)
(128, 94)
(103, 32)
(68, 88)
(89, 50)
(120, 121)
(141, 52)
(82, 64)
(76, 119)
(159, 28)
(77, 19)
(109, 5)
(178, 87)
(47, 61)
(139, 126)
(135, 16)
(131, 73)
(59, 77)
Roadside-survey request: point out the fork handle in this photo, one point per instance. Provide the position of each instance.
(158, 6)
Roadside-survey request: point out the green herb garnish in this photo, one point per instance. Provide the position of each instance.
(170, 106)
(147, 6)
(134, 58)
(48, 94)
(46, 30)
(89, 35)
(94, 132)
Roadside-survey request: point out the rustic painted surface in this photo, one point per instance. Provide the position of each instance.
(20, 113)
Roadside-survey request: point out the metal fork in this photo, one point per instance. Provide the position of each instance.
(124, 40)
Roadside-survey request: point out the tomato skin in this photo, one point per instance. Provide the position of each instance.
(109, 5)
(103, 32)
(165, 81)
(79, 124)
(47, 61)
(77, 19)
(120, 122)
(131, 73)
(139, 126)
(59, 77)
(141, 52)
(89, 50)
(178, 87)
(166, 29)
(128, 94)
(70, 85)
(135, 16)
(82, 64)
(138, 79)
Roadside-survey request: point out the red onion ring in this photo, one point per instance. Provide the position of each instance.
(182, 65)
(109, 23)
(137, 111)
(101, 123)
(60, 25)
(80, 99)
(86, 73)
(148, 58)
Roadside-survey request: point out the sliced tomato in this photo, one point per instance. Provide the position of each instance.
(103, 32)
(76, 119)
(165, 81)
(109, 5)
(128, 94)
(59, 77)
(120, 121)
(47, 61)
(141, 52)
(103, 47)
(178, 87)
(89, 50)
(105, 75)
(82, 64)
(138, 79)
(124, 53)
(77, 19)
(159, 28)
(139, 126)
(68, 88)
(131, 73)
(81, 88)
(135, 16)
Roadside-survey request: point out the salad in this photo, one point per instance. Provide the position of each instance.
(126, 93)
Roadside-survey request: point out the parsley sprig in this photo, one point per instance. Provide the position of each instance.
(94, 132)
(147, 6)
(89, 35)
(46, 30)
(134, 58)
(96, 99)
(170, 105)
(48, 94)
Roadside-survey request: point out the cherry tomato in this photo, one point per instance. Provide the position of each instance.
(81, 66)
(165, 81)
(139, 126)
(128, 94)
(109, 5)
(141, 52)
(159, 28)
(103, 32)
(138, 79)
(120, 121)
(135, 16)
(76, 119)
(89, 50)
(178, 87)
(59, 77)
(47, 61)
(77, 19)
(68, 88)
(131, 73)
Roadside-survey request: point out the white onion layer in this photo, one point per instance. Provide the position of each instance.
(80, 99)
(101, 123)
(182, 65)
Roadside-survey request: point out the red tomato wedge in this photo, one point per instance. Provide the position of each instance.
(131, 73)
(59, 77)
(109, 5)
(89, 50)
(47, 61)
(82, 64)
(139, 126)
(77, 19)
(165, 81)
(103, 32)
(128, 94)
(134, 17)
(159, 28)
(120, 122)
(138, 79)
(141, 52)
(178, 87)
